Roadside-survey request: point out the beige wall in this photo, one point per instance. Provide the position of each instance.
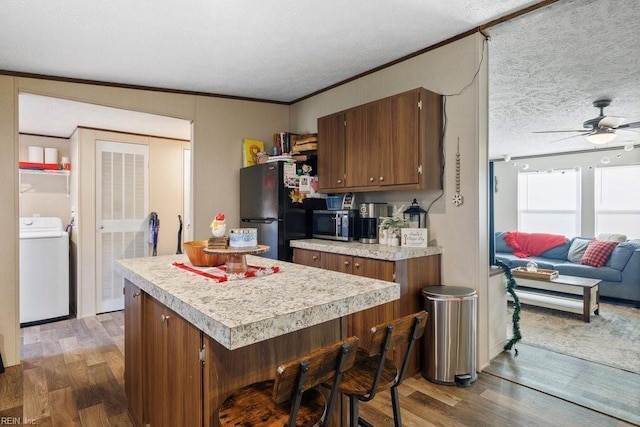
(44, 195)
(460, 231)
(166, 192)
(219, 125)
(9, 303)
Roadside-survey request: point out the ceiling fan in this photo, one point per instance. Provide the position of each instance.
(602, 129)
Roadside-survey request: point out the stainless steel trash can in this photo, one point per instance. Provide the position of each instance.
(450, 336)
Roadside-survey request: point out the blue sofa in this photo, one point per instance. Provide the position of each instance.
(620, 275)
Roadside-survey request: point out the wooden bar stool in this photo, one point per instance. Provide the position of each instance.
(292, 399)
(373, 372)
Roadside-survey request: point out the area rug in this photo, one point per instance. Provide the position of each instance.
(612, 338)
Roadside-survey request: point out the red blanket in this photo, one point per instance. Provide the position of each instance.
(528, 244)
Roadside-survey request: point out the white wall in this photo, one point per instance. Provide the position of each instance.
(506, 173)
(460, 231)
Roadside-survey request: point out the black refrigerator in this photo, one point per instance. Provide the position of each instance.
(265, 204)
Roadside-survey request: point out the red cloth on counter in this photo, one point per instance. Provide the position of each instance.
(528, 244)
(223, 276)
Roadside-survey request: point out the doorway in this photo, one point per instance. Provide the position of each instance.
(78, 206)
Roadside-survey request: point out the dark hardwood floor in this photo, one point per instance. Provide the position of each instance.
(72, 375)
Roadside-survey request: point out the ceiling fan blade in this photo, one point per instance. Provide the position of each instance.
(611, 122)
(559, 131)
(569, 137)
(629, 125)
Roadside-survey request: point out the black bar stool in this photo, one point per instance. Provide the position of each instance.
(292, 399)
(373, 372)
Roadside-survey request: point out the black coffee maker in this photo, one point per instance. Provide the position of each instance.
(370, 214)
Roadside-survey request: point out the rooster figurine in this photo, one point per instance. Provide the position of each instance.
(218, 226)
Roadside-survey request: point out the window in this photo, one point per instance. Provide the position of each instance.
(549, 202)
(617, 200)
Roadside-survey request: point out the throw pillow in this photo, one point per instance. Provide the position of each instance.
(611, 237)
(501, 246)
(577, 248)
(597, 253)
(621, 255)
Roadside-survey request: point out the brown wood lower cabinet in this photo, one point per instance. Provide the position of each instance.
(133, 343)
(168, 385)
(411, 274)
(163, 371)
(174, 369)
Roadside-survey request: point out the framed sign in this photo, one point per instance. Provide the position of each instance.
(414, 237)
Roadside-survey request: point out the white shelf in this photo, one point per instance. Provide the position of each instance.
(571, 305)
(64, 173)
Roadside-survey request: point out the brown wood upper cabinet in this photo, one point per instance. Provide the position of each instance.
(389, 144)
(331, 167)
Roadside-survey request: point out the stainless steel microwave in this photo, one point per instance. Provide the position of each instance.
(336, 225)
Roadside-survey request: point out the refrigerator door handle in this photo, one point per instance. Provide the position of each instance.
(261, 221)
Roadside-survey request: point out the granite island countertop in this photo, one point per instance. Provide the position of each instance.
(365, 250)
(238, 313)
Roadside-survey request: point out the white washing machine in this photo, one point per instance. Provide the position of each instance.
(44, 269)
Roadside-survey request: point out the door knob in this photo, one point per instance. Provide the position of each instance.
(356, 265)
(381, 178)
(164, 318)
(371, 179)
(136, 294)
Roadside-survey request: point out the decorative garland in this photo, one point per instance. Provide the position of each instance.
(515, 318)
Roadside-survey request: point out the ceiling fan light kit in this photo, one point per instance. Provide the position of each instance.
(601, 136)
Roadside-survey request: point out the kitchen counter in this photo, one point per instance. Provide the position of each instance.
(239, 313)
(365, 250)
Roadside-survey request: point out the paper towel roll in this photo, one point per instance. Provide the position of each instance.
(51, 155)
(36, 154)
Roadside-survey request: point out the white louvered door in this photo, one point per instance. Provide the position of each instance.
(122, 210)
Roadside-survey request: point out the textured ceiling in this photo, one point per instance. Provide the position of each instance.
(278, 50)
(545, 67)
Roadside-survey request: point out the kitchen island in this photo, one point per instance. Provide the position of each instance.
(191, 341)
(412, 268)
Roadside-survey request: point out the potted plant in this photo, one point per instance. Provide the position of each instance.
(391, 226)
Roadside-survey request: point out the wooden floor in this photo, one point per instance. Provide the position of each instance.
(608, 390)
(72, 375)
